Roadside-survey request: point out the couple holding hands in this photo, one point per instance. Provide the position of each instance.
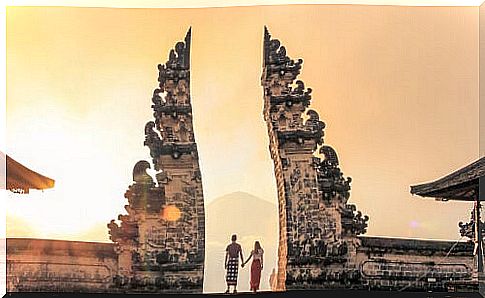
(231, 264)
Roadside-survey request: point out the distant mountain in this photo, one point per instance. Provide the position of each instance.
(251, 218)
(241, 213)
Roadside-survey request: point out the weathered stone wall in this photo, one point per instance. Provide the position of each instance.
(409, 264)
(392, 264)
(319, 243)
(60, 266)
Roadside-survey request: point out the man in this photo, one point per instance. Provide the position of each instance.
(231, 263)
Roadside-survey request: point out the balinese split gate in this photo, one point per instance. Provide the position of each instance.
(159, 244)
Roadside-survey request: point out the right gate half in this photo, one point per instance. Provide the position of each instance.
(319, 242)
(318, 228)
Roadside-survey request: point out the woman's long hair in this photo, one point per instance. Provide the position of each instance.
(257, 247)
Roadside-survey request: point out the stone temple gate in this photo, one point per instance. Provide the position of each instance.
(160, 242)
(317, 226)
(159, 246)
(319, 242)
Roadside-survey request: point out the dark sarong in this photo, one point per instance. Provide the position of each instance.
(255, 275)
(232, 270)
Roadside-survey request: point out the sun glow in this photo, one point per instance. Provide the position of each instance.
(66, 149)
(171, 213)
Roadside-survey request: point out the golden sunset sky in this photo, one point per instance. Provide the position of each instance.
(396, 86)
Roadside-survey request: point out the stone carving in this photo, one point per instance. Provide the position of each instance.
(468, 229)
(152, 140)
(318, 227)
(160, 243)
(331, 179)
(353, 223)
(319, 243)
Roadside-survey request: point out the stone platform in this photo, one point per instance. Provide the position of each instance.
(286, 294)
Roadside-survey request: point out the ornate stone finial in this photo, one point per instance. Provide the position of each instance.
(153, 141)
(267, 38)
(172, 107)
(188, 39)
(126, 232)
(139, 172)
(315, 126)
(353, 222)
(275, 58)
(330, 155)
(468, 229)
(179, 58)
(143, 194)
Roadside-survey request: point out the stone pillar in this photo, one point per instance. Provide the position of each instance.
(166, 219)
(318, 228)
(479, 232)
(481, 97)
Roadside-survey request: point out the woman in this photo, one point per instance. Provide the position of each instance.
(256, 266)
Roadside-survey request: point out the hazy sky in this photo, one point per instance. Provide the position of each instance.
(224, 3)
(396, 86)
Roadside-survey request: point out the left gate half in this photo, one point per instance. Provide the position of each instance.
(160, 241)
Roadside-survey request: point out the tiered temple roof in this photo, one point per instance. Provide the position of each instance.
(462, 185)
